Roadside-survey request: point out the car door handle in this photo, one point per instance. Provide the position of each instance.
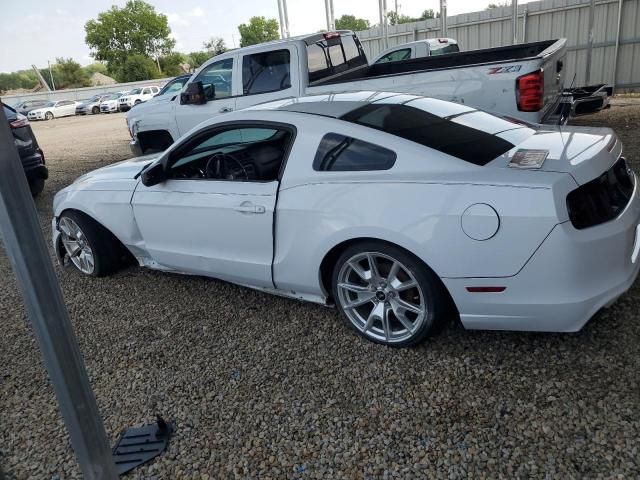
(248, 207)
(225, 110)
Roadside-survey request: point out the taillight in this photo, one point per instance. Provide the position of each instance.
(19, 123)
(530, 91)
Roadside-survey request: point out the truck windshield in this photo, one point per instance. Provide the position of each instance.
(444, 50)
(330, 55)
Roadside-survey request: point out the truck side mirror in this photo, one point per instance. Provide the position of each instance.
(193, 94)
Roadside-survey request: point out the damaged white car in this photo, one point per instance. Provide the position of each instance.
(392, 206)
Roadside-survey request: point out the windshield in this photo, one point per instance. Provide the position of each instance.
(173, 86)
(49, 104)
(113, 96)
(135, 91)
(444, 50)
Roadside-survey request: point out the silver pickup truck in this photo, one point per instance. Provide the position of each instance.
(525, 82)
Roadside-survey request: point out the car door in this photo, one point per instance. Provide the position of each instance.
(210, 226)
(219, 82)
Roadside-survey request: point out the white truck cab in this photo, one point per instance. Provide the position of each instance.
(428, 47)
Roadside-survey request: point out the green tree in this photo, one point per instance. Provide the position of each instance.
(497, 5)
(138, 67)
(135, 29)
(350, 22)
(214, 46)
(70, 74)
(195, 59)
(258, 30)
(171, 65)
(96, 67)
(396, 19)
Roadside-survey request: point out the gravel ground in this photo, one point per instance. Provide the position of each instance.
(265, 387)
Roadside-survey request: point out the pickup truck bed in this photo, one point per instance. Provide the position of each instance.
(488, 56)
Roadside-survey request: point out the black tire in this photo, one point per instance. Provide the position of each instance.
(433, 294)
(107, 251)
(95, 110)
(48, 116)
(36, 186)
(137, 102)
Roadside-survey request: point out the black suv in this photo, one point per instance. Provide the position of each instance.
(30, 152)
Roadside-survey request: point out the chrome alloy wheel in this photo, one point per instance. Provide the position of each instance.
(76, 245)
(381, 297)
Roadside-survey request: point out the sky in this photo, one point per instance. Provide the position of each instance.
(42, 30)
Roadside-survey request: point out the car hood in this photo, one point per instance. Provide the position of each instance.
(125, 170)
(38, 110)
(582, 152)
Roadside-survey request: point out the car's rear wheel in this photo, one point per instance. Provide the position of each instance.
(92, 249)
(36, 186)
(386, 294)
(48, 116)
(95, 110)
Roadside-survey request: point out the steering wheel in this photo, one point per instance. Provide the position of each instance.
(225, 166)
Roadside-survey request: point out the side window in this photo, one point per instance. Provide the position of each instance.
(396, 56)
(237, 154)
(145, 91)
(217, 79)
(155, 89)
(338, 153)
(266, 72)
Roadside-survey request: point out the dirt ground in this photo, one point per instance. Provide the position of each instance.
(265, 387)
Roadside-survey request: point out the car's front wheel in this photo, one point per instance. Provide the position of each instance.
(48, 116)
(92, 249)
(95, 110)
(387, 295)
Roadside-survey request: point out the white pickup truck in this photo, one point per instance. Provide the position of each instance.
(522, 81)
(137, 96)
(427, 47)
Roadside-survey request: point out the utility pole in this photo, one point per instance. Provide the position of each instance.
(443, 17)
(53, 85)
(286, 18)
(592, 9)
(281, 19)
(514, 21)
(26, 249)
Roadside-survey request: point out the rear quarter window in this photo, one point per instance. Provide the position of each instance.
(339, 153)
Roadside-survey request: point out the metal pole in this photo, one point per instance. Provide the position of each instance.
(592, 9)
(53, 85)
(443, 17)
(524, 25)
(615, 56)
(514, 21)
(386, 25)
(332, 15)
(281, 19)
(328, 15)
(26, 249)
(286, 18)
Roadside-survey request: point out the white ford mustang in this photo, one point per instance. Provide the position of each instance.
(393, 207)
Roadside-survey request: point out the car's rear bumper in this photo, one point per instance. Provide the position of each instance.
(571, 276)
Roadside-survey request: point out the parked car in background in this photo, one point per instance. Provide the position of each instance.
(91, 105)
(25, 107)
(51, 110)
(110, 104)
(31, 154)
(522, 227)
(137, 96)
(428, 47)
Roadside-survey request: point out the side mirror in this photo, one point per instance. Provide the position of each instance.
(153, 175)
(193, 94)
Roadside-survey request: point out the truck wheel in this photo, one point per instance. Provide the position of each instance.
(48, 116)
(387, 295)
(92, 249)
(36, 186)
(95, 110)
(137, 102)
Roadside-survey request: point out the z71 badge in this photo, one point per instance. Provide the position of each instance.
(507, 69)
